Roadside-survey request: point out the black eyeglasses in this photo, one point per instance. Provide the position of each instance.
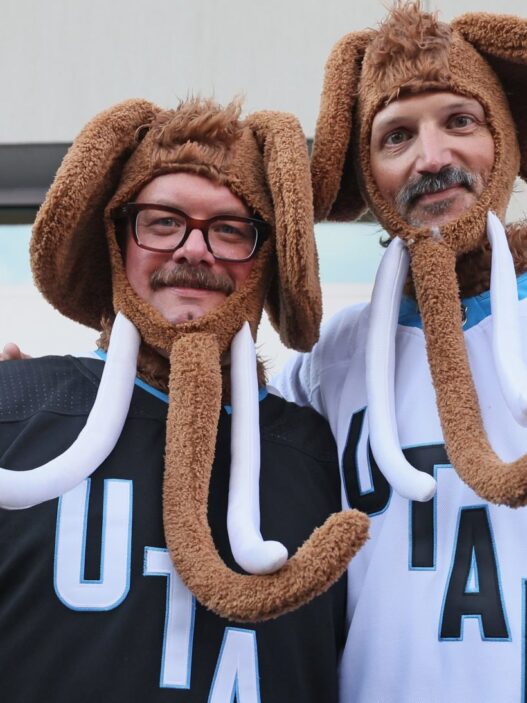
(163, 228)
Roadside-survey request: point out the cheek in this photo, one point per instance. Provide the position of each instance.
(487, 154)
(387, 179)
(375, 169)
(479, 154)
(138, 269)
(386, 175)
(239, 273)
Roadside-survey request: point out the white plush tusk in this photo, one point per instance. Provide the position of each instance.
(380, 370)
(506, 334)
(23, 489)
(249, 549)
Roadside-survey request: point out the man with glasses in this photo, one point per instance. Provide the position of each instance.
(127, 579)
(184, 266)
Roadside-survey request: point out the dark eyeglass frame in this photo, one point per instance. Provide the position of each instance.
(130, 212)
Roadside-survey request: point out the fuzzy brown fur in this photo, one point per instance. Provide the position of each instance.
(367, 69)
(78, 265)
(458, 68)
(154, 369)
(484, 57)
(473, 269)
(192, 419)
(191, 124)
(465, 439)
(196, 137)
(110, 162)
(408, 54)
(502, 40)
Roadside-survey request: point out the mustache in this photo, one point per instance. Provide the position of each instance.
(448, 177)
(188, 276)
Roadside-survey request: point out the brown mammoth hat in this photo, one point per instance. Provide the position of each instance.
(261, 159)
(482, 56)
(77, 264)
(478, 55)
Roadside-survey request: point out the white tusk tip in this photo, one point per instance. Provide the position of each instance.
(424, 489)
(266, 558)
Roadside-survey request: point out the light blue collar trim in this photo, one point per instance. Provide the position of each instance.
(477, 308)
(262, 393)
(163, 396)
(138, 382)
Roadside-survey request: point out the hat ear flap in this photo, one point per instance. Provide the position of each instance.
(335, 187)
(294, 300)
(502, 41)
(68, 247)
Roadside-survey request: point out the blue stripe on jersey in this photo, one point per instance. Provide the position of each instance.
(138, 382)
(163, 396)
(477, 308)
(262, 393)
(524, 639)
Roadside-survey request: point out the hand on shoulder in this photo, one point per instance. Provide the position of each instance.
(12, 352)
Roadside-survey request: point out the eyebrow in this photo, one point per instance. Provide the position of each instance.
(234, 211)
(388, 122)
(464, 104)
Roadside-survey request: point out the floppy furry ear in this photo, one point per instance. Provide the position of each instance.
(335, 187)
(72, 217)
(502, 41)
(294, 300)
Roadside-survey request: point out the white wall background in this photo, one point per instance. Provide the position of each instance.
(61, 61)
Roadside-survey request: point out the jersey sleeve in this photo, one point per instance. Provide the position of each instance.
(302, 379)
(297, 383)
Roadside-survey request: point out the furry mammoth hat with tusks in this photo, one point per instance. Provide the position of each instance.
(484, 57)
(78, 265)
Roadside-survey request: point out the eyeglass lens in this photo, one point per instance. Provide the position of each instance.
(162, 230)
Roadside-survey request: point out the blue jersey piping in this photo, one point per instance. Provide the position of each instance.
(477, 308)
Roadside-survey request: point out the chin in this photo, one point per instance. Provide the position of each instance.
(440, 213)
(178, 310)
(185, 315)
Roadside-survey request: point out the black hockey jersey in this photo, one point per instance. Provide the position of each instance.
(91, 607)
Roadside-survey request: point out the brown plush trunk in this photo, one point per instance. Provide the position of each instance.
(194, 407)
(433, 270)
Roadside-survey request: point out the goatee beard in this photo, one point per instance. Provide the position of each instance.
(428, 183)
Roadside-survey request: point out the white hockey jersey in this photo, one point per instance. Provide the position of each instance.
(437, 599)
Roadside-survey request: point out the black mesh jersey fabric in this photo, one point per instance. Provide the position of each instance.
(89, 606)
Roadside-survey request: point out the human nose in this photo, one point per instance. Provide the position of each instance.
(434, 151)
(194, 250)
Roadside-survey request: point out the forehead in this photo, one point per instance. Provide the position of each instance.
(424, 105)
(191, 191)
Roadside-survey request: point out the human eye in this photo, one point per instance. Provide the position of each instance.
(461, 121)
(230, 229)
(232, 239)
(396, 137)
(166, 222)
(161, 223)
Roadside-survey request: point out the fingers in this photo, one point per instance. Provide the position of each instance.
(12, 352)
